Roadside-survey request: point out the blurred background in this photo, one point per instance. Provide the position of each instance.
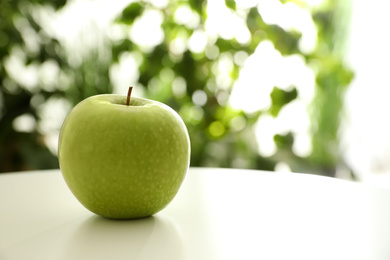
(296, 85)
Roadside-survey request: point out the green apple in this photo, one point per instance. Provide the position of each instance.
(122, 160)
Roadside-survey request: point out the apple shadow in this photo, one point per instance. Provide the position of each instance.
(154, 237)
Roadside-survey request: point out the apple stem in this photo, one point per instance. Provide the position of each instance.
(128, 96)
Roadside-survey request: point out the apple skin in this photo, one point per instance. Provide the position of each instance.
(120, 161)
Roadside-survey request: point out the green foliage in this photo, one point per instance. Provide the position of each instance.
(231, 4)
(27, 151)
(22, 151)
(131, 12)
(280, 98)
(186, 80)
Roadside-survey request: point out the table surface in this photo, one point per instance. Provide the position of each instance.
(217, 214)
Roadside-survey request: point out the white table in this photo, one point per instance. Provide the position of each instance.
(218, 214)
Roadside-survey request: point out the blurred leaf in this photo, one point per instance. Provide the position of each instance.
(197, 6)
(231, 4)
(227, 45)
(280, 98)
(117, 49)
(284, 141)
(285, 42)
(130, 13)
